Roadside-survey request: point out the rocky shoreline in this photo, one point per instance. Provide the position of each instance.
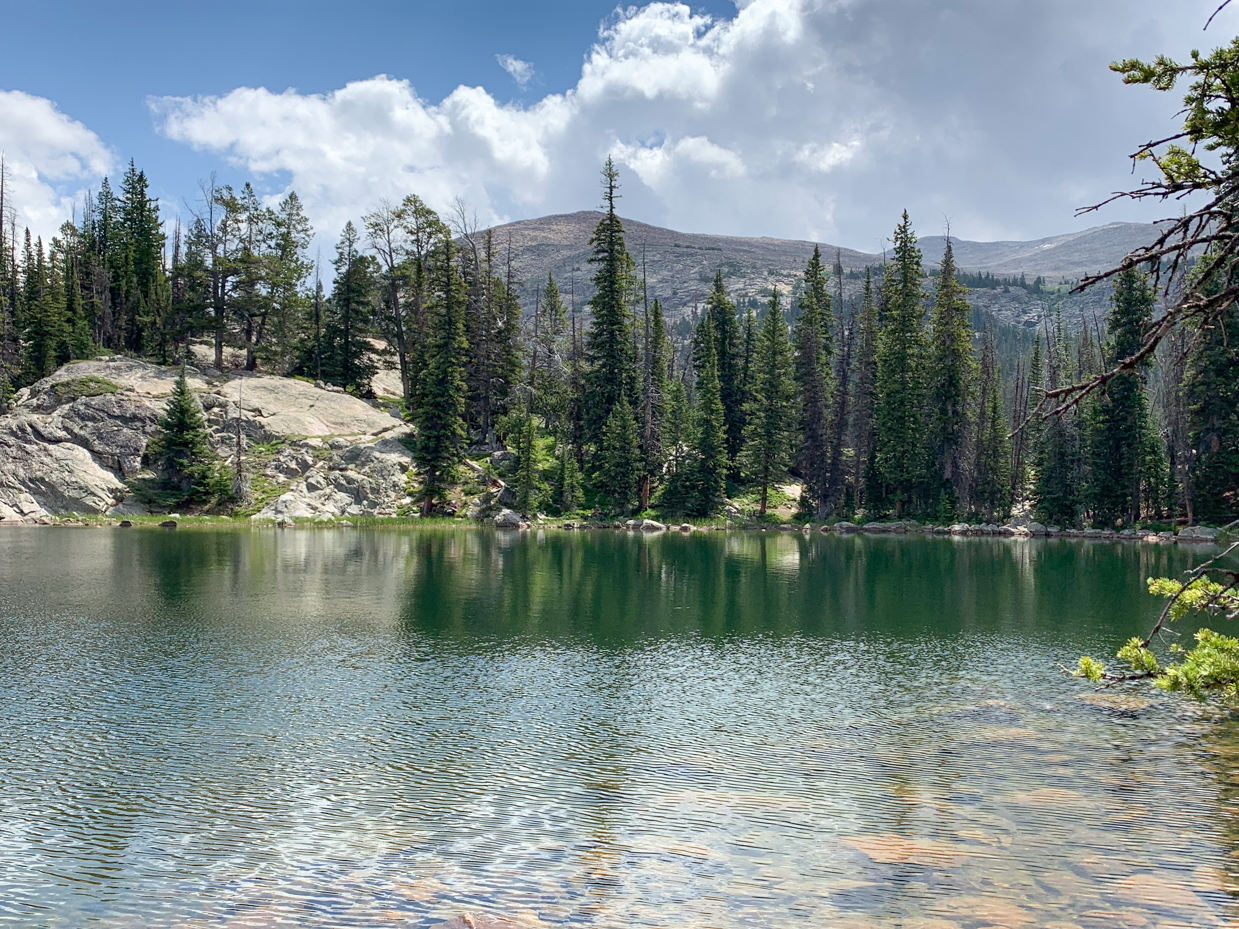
(71, 452)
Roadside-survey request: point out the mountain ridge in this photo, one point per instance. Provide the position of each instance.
(680, 266)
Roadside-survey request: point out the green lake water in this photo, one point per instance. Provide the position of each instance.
(354, 728)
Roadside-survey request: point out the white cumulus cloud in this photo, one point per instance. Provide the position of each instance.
(810, 118)
(50, 160)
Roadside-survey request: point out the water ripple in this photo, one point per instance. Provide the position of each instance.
(365, 729)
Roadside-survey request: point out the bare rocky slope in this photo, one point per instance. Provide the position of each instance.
(680, 266)
(74, 442)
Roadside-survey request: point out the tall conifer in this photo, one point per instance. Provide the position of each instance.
(1117, 419)
(441, 407)
(899, 411)
(814, 342)
(770, 421)
(1212, 393)
(951, 374)
(610, 362)
(865, 379)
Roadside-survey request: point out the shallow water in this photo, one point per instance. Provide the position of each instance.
(339, 728)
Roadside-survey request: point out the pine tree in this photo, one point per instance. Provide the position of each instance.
(550, 361)
(899, 410)
(656, 359)
(724, 332)
(180, 449)
(619, 466)
(1024, 469)
(492, 327)
(992, 484)
(610, 363)
(566, 483)
(748, 353)
(441, 401)
(770, 421)
(341, 354)
(676, 428)
(288, 271)
(43, 322)
(951, 375)
(1056, 456)
(1116, 420)
(1211, 389)
(813, 377)
(707, 476)
(865, 379)
(528, 480)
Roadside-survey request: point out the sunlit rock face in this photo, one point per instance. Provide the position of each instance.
(75, 438)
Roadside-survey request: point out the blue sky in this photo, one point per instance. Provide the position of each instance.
(101, 61)
(801, 118)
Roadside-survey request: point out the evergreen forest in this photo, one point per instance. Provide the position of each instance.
(889, 405)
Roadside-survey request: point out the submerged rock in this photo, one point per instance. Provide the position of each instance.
(897, 849)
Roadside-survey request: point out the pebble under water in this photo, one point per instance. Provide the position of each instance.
(344, 728)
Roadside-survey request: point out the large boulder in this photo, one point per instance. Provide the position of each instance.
(1197, 534)
(508, 519)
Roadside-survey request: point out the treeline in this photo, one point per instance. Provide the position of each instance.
(985, 280)
(896, 405)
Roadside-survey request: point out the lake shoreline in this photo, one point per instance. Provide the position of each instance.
(1194, 535)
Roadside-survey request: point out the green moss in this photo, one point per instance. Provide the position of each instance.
(76, 388)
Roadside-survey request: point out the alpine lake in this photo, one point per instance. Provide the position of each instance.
(349, 727)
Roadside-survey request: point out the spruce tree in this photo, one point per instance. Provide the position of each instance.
(991, 475)
(654, 398)
(492, 327)
(899, 410)
(770, 421)
(566, 481)
(528, 481)
(550, 361)
(1033, 428)
(619, 465)
(813, 378)
(1116, 419)
(724, 332)
(865, 378)
(610, 362)
(137, 264)
(441, 401)
(951, 375)
(707, 477)
(748, 352)
(341, 354)
(42, 315)
(1056, 456)
(1212, 394)
(180, 450)
(676, 428)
